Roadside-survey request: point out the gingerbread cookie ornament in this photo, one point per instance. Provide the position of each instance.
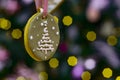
(41, 35)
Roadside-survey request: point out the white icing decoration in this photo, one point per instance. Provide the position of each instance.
(33, 26)
(51, 19)
(44, 23)
(56, 44)
(45, 30)
(57, 33)
(45, 57)
(33, 50)
(37, 18)
(31, 37)
(45, 44)
(53, 28)
(37, 34)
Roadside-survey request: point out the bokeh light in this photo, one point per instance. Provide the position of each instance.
(86, 75)
(67, 20)
(63, 47)
(77, 71)
(107, 72)
(99, 4)
(118, 78)
(16, 33)
(27, 1)
(91, 36)
(75, 49)
(112, 40)
(54, 63)
(107, 28)
(89, 40)
(39, 67)
(72, 61)
(21, 78)
(93, 14)
(9, 6)
(90, 64)
(5, 24)
(23, 70)
(43, 76)
(56, 19)
(72, 32)
(4, 54)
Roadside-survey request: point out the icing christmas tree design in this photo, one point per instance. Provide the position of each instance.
(45, 44)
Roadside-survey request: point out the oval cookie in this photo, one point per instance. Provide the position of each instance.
(41, 37)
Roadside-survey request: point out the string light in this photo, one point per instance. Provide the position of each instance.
(107, 73)
(112, 40)
(91, 36)
(54, 63)
(16, 33)
(67, 20)
(86, 75)
(72, 61)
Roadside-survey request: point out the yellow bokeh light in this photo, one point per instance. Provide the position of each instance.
(5, 24)
(112, 40)
(54, 63)
(72, 60)
(21, 78)
(91, 36)
(16, 33)
(86, 75)
(118, 78)
(56, 19)
(107, 73)
(67, 20)
(43, 76)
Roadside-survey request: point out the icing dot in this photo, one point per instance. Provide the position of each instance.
(31, 37)
(33, 50)
(37, 18)
(37, 34)
(53, 28)
(56, 44)
(57, 33)
(45, 57)
(42, 24)
(51, 19)
(39, 42)
(33, 26)
(45, 24)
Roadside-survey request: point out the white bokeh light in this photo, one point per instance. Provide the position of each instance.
(90, 64)
(27, 1)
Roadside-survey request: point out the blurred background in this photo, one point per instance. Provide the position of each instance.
(89, 47)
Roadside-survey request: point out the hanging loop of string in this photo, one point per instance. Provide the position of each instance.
(43, 4)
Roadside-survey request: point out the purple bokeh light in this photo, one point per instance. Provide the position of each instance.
(77, 71)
